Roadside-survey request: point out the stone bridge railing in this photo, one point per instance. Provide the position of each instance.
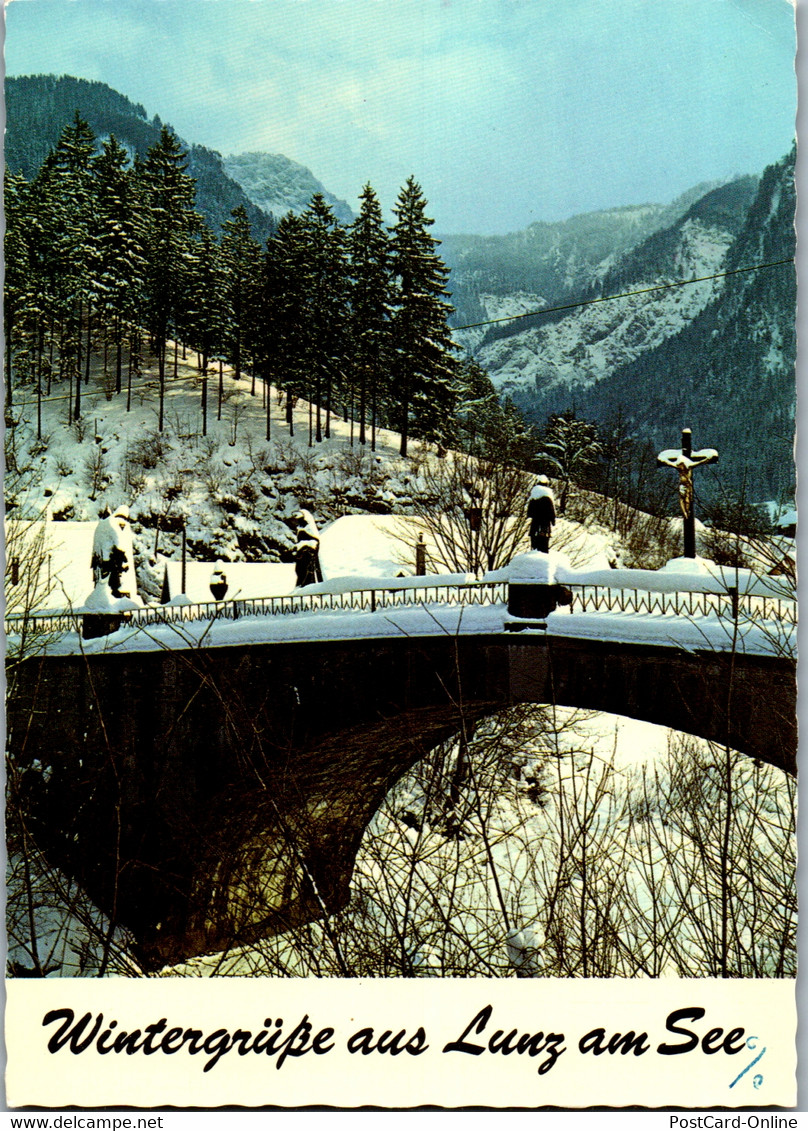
(584, 598)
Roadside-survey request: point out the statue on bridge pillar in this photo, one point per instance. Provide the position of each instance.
(113, 559)
(542, 514)
(307, 550)
(684, 459)
(114, 592)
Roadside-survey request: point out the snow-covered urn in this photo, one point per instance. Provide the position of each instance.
(113, 558)
(218, 582)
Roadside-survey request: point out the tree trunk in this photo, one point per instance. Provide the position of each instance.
(50, 358)
(40, 351)
(319, 436)
(89, 342)
(118, 357)
(363, 385)
(373, 414)
(9, 386)
(161, 368)
(77, 409)
(132, 342)
(328, 408)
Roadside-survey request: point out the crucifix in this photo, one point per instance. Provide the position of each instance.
(684, 460)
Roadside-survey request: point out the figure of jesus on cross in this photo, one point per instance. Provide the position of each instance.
(684, 460)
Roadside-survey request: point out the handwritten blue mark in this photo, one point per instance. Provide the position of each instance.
(757, 1080)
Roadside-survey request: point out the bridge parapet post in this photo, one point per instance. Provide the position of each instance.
(101, 624)
(533, 592)
(534, 600)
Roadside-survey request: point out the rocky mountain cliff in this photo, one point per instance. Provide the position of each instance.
(575, 348)
(276, 184)
(547, 263)
(709, 355)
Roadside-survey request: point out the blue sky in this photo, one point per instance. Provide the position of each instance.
(506, 111)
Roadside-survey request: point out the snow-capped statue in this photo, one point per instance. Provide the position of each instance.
(113, 559)
(307, 550)
(542, 514)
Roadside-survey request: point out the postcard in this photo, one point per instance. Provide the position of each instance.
(400, 553)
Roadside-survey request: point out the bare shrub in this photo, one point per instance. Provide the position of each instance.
(148, 450)
(472, 511)
(96, 473)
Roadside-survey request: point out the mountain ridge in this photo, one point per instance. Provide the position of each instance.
(38, 107)
(730, 360)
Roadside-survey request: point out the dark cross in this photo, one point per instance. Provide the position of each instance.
(684, 461)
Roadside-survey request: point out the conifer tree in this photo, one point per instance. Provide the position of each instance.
(370, 305)
(570, 448)
(202, 312)
(240, 272)
(325, 266)
(69, 179)
(425, 367)
(118, 235)
(284, 329)
(171, 222)
(20, 280)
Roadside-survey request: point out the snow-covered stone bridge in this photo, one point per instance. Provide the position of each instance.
(211, 779)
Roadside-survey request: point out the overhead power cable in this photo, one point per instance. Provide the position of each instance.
(625, 294)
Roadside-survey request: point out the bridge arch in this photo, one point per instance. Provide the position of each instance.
(218, 795)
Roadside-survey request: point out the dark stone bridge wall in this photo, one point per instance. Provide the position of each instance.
(746, 702)
(209, 797)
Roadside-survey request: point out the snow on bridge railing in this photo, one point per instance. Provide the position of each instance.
(362, 600)
(585, 598)
(688, 603)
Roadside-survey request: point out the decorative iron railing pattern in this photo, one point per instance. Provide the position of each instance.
(585, 598)
(361, 600)
(688, 603)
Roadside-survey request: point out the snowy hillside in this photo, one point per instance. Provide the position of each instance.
(580, 346)
(235, 493)
(548, 263)
(735, 361)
